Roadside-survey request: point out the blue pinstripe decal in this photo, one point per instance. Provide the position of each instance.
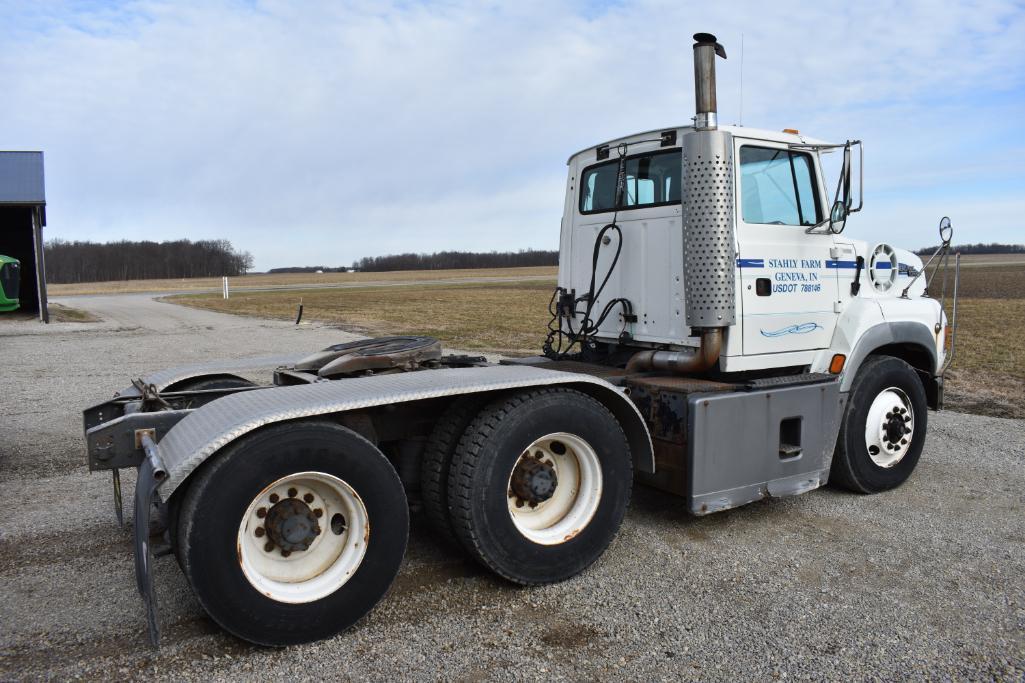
(902, 268)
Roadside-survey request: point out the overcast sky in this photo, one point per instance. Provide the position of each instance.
(316, 133)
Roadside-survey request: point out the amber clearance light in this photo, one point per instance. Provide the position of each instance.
(836, 365)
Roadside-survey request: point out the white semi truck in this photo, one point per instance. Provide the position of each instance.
(714, 334)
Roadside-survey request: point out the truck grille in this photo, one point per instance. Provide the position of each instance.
(10, 279)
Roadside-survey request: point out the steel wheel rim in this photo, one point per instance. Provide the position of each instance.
(330, 560)
(887, 445)
(576, 496)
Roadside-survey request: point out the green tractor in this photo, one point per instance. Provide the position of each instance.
(10, 277)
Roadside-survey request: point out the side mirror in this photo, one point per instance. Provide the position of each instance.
(843, 200)
(846, 174)
(946, 230)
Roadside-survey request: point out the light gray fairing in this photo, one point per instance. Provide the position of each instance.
(205, 431)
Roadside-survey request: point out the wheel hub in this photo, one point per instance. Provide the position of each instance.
(291, 525)
(889, 427)
(533, 480)
(894, 427)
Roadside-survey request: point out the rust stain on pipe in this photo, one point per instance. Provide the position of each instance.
(681, 362)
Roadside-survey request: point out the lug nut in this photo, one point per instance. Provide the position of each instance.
(308, 497)
(292, 492)
(261, 513)
(268, 546)
(318, 513)
(260, 532)
(274, 498)
(904, 441)
(286, 553)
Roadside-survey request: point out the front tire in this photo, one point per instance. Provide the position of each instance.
(883, 428)
(539, 485)
(293, 533)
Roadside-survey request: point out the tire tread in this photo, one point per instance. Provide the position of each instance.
(436, 464)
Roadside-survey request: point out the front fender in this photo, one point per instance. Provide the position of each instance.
(210, 428)
(915, 334)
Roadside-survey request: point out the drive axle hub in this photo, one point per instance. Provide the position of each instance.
(291, 525)
(533, 480)
(895, 427)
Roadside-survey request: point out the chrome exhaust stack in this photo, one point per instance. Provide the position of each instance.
(709, 251)
(705, 50)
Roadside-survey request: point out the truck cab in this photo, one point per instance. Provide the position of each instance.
(801, 296)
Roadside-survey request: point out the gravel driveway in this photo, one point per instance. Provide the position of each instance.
(925, 582)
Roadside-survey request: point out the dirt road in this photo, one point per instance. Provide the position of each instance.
(922, 582)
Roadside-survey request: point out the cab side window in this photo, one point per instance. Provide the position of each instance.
(777, 187)
(651, 179)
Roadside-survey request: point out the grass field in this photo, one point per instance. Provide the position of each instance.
(988, 374)
(501, 317)
(290, 280)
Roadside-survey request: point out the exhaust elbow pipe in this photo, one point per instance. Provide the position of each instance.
(681, 362)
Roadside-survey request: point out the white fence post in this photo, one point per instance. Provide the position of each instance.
(225, 286)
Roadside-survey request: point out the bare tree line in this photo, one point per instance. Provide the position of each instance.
(444, 260)
(309, 269)
(69, 262)
(979, 248)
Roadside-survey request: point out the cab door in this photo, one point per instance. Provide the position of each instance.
(788, 287)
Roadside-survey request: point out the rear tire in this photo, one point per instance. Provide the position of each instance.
(278, 478)
(883, 428)
(164, 517)
(437, 460)
(539, 485)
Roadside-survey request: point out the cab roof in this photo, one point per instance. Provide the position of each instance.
(736, 131)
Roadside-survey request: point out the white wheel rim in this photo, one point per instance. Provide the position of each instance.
(329, 561)
(889, 427)
(576, 494)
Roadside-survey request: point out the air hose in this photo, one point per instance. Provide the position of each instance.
(559, 343)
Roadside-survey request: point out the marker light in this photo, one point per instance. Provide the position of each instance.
(836, 365)
(792, 131)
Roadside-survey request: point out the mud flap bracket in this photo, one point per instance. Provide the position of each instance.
(151, 475)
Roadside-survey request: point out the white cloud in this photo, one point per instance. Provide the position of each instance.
(322, 132)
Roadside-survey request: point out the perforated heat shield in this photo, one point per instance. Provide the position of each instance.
(709, 255)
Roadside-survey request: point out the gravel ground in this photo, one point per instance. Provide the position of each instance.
(925, 582)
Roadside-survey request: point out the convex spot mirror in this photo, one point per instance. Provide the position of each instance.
(946, 230)
(837, 217)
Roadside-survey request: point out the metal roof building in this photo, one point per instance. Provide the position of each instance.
(22, 217)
